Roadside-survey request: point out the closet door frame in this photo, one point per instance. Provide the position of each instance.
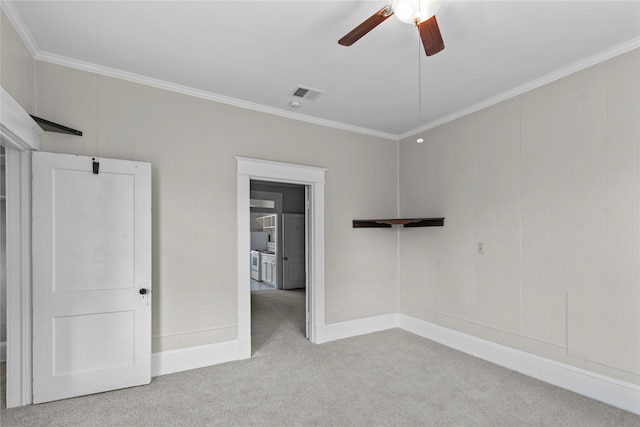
(20, 135)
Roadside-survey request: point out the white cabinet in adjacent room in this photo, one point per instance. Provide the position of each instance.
(269, 272)
(270, 226)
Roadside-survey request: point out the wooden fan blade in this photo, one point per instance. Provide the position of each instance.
(430, 35)
(368, 25)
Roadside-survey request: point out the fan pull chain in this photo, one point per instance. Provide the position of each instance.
(95, 163)
(419, 140)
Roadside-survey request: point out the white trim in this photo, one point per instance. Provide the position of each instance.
(609, 390)
(244, 275)
(21, 28)
(18, 378)
(315, 275)
(533, 84)
(19, 134)
(168, 362)
(186, 90)
(198, 93)
(17, 129)
(313, 177)
(599, 387)
(268, 170)
(353, 328)
(29, 41)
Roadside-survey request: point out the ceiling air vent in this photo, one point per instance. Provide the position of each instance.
(306, 93)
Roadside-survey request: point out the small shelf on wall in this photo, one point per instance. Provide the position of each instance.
(49, 126)
(406, 222)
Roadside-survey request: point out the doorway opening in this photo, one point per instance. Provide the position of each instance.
(278, 235)
(312, 179)
(278, 260)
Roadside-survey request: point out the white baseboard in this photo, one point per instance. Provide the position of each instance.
(352, 328)
(599, 387)
(3, 351)
(168, 362)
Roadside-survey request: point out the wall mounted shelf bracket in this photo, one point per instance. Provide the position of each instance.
(406, 222)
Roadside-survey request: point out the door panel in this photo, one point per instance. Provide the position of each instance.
(91, 257)
(115, 333)
(293, 256)
(80, 222)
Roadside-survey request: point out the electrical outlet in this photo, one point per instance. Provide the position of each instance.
(480, 248)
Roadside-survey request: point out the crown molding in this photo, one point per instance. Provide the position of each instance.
(533, 84)
(186, 90)
(32, 46)
(19, 25)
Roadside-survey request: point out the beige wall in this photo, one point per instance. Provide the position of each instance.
(16, 67)
(549, 182)
(191, 143)
(17, 78)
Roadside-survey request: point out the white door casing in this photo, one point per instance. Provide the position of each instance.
(313, 178)
(91, 259)
(293, 256)
(308, 295)
(19, 134)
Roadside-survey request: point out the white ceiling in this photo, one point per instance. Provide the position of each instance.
(254, 53)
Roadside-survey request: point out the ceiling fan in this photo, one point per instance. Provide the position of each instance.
(421, 13)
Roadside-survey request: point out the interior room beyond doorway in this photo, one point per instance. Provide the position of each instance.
(278, 242)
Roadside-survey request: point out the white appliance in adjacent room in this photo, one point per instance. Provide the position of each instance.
(256, 270)
(259, 241)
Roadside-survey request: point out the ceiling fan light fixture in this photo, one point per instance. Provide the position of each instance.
(415, 11)
(421, 13)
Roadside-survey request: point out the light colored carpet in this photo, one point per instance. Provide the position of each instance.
(390, 378)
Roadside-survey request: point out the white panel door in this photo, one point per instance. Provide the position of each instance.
(293, 251)
(91, 275)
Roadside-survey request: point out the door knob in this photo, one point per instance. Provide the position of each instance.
(284, 258)
(144, 291)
